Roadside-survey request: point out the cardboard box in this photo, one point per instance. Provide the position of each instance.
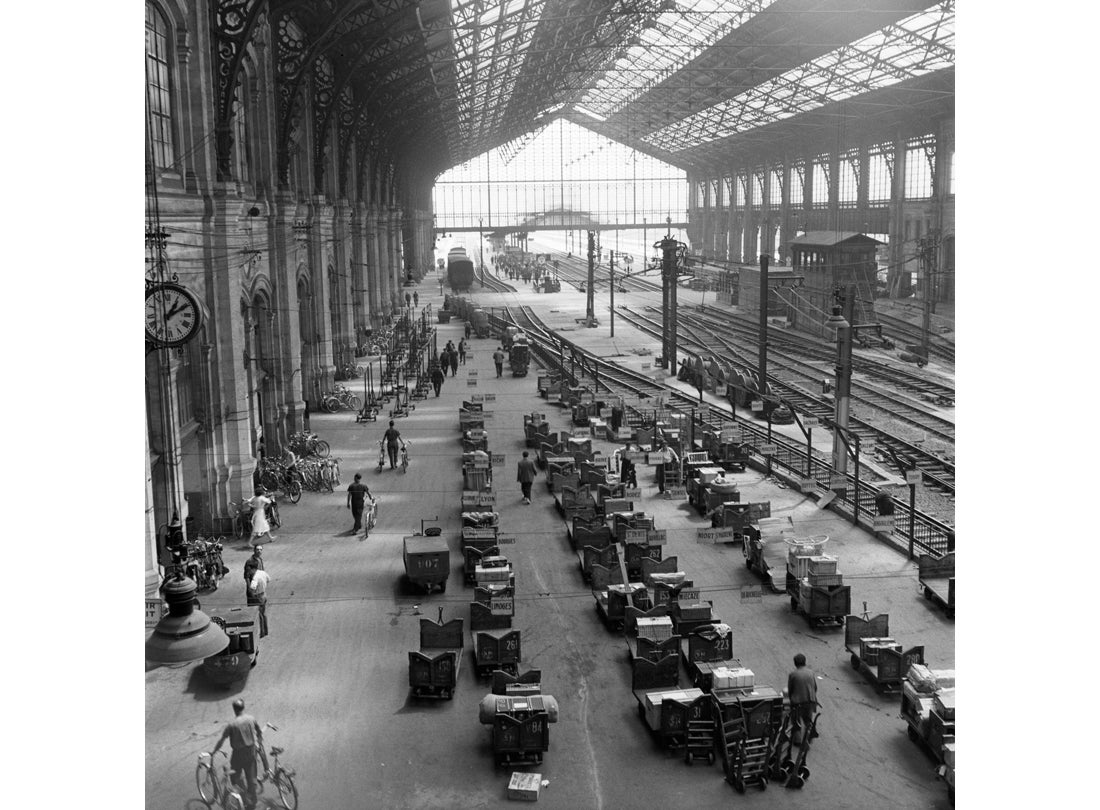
(733, 678)
(822, 564)
(825, 580)
(658, 628)
(944, 703)
(525, 787)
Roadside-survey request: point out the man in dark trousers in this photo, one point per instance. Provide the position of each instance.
(454, 361)
(393, 438)
(358, 492)
(525, 474)
(437, 378)
(468, 330)
(498, 359)
(251, 566)
(245, 739)
(802, 691)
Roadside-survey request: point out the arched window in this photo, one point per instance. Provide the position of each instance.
(158, 94)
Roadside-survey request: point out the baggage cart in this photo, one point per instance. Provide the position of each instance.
(821, 605)
(937, 578)
(669, 714)
(746, 722)
(929, 713)
(239, 657)
(881, 659)
(766, 557)
(433, 669)
(520, 733)
(495, 644)
(427, 562)
(704, 649)
(613, 602)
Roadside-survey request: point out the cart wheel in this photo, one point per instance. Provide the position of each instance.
(738, 784)
(855, 661)
(710, 758)
(443, 587)
(795, 782)
(538, 759)
(689, 758)
(928, 594)
(794, 604)
(748, 563)
(949, 612)
(763, 783)
(804, 773)
(448, 694)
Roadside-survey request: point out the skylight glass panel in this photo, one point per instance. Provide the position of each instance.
(679, 37)
(920, 44)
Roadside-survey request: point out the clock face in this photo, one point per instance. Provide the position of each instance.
(172, 315)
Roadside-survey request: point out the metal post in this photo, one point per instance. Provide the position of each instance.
(762, 347)
(612, 263)
(912, 513)
(843, 382)
(590, 313)
(769, 456)
(855, 508)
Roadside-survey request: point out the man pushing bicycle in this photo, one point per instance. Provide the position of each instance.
(246, 739)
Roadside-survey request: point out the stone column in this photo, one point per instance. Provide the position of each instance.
(359, 282)
(290, 366)
(232, 459)
(397, 268)
(321, 234)
(898, 277)
(342, 262)
(834, 191)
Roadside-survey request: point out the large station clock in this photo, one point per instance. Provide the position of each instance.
(172, 315)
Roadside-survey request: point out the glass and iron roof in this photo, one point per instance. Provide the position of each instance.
(438, 82)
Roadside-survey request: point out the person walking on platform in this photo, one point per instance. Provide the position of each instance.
(416, 298)
(525, 474)
(802, 691)
(437, 379)
(246, 739)
(498, 359)
(462, 351)
(358, 492)
(260, 526)
(454, 361)
(251, 566)
(258, 588)
(392, 437)
(468, 329)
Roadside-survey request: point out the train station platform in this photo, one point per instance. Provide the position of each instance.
(333, 673)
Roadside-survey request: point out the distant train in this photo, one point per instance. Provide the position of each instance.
(460, 271)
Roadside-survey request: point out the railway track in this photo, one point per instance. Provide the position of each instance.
(938, 472)
(903, 379)
(931, 532)
(903, 332)
(897, 407)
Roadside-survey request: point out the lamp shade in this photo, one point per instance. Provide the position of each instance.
(836, 320)
(185, 634)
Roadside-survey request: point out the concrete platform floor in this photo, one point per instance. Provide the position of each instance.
(333, 673)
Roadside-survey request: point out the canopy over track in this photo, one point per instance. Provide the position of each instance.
(437, 82)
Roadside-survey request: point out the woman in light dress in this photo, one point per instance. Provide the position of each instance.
(260, 526)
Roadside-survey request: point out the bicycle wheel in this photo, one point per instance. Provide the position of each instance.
(294, 491)
(206, 780)
(270, 480)
(354, 403)
(238, 525)
(288, 791)
(330, 404)
(275, 522)
(321, 448)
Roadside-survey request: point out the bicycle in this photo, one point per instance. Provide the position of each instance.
(215, 784)
(282, 778)
(306, 444)
(371, 517)
(330, 473)
(275, 475)
(242, 522)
